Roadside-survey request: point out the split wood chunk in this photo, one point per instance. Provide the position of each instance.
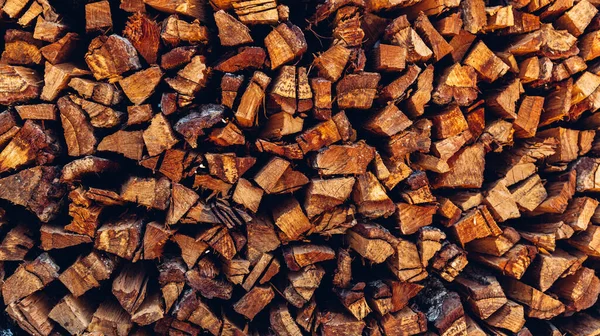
(501, 203)
(537, 304)
(332, 62)
(149, 192)
(140, 86)
(37, 111)
(72, 313)
(38, 189)
(86, 272)
(256, 11)
(121, 237)
(29, 144)
(59, 51)
(511, 316)
(407, 37)
(389, 58)
(356, 158)
(21, 48)
(251, 100)
(16, 244)
(190, 79)
(49, 31)
(290, 219)
(415, 138)
(559, 192)
(109, 57)
(323, 195)
(579, 212)
(372, 242)
(144, 35)
(191, 8)
(103, 93)
(474, 15)
(495, 245)
(110, 318)
(578, 289)
(159, 136)
(587, 241)
(398, 87)
(547, 268)
(576, 19)
(412, 217)
(448, 123)
(254, 301)
(98, 16)
(285, 44)
(481, 290)
(299, 256)
(529, 194)
(528, 116)
(177, 57)
(231, 31)
(432, 37)
(129, 287)
(100, 116)
(31, 314)
(405, 263)
(319, 136)
(29, 278)
(245, 58)
(513, 263)
(18, 84)
(357, 91)
(450, 320)
(128, 143)
(489, 66)
(503, 102)
(55, 237)
(353, 299)
(415, 104)
(371, 198)
(192, 126)
(409, 321)
(457, 83)
(449, 261)
(388, 121)
(466, 169)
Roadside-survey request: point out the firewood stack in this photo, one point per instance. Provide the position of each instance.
(271, 167)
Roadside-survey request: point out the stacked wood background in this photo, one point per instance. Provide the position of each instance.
(271, 167)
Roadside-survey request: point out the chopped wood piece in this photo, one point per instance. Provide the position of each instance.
(150, 192)
(73, 314)
(110, 318)
(251, 100)
(486, 63)
(388, 121)
(192, 8)
(19, 84)
(36, 189)
(371, 198)
(457, 83)
(86, 272)
(55, 237)
(109, 57)
(121, 237)
(442, 308)
(98, 16)
(357, 91)
(284, 44)
(144, 35)
(344, 159)
(412, 217)
(231, 31)
(299, 256)
(435, 41)
(528, 116)
(372, 242)
(31, 314)
(503, 101)
(140, 86)
(29, 278)
(511, 316)
(405, 263)
(512, 263)
(47, 30)
(290, 219)
(537, 304)
(130, 144)
(466, 169)
(254, 301)
(481, 290)
(159, 136)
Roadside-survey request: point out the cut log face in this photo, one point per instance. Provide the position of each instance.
(235, 167)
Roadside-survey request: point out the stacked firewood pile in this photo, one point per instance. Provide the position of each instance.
(334, 167)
